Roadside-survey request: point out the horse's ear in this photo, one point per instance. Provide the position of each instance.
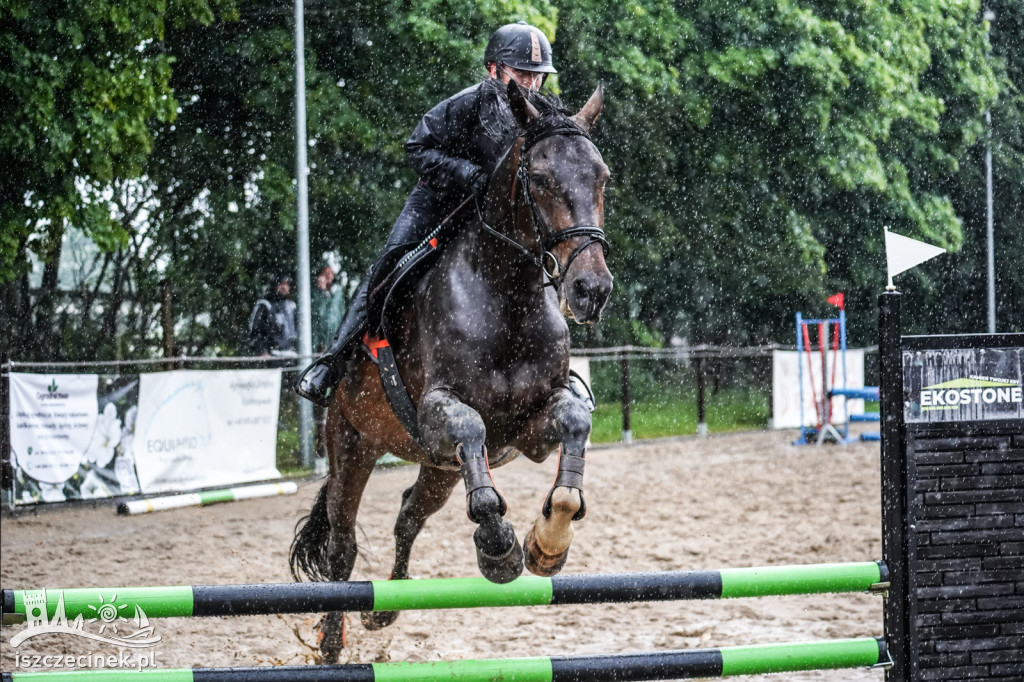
(587, 116)
(524, 112)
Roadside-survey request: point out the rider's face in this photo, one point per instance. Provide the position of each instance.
(527, 79)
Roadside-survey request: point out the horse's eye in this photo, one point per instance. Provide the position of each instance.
(540, 181)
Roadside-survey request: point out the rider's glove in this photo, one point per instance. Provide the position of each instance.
(478, 183)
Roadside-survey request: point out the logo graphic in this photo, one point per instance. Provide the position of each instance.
(51, 392)
(105, 612)
(975, 390)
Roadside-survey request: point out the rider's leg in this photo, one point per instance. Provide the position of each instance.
(420, 215)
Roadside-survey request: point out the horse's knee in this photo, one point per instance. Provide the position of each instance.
(446, 423)
(572, 420)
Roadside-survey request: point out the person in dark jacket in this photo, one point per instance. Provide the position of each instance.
(454, 150)
(272, 322)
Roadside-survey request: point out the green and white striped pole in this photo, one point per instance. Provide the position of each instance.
(155, 504)
(451, 593)
(656, 665)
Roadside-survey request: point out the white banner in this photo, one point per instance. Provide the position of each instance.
(53, 418)
(201, 429)
(786, 386)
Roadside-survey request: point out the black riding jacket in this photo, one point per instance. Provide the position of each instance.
(467, 132)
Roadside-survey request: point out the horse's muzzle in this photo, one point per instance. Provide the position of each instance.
(587, 294)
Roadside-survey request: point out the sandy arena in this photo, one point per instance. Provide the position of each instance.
(725, 501)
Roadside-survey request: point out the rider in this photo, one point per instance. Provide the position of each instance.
(454, 149)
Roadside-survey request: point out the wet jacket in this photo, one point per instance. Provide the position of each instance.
(272, 325)
(464, 134)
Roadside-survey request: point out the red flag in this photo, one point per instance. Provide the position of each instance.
(837, 300)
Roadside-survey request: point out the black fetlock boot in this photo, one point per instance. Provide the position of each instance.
(317, 383)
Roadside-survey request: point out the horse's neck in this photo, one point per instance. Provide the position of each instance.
(507, 212)
(506, 271)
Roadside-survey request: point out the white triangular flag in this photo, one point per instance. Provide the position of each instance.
(903, 253)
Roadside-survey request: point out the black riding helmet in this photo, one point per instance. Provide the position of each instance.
(520, 46)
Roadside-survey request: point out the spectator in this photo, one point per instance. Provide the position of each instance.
(328, 307)
(272, 323)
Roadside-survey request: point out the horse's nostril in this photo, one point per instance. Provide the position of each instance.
(582, 292)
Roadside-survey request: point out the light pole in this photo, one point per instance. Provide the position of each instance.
(989, 16)
(302, 230)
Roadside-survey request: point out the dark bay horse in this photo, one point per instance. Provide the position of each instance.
(483, 347)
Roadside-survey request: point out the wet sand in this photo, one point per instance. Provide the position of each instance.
(725, 501)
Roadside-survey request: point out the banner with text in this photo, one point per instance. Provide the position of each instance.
(202, 429)
(71, 436)
(963, 384)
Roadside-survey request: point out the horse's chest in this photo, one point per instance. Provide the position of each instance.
(516, 387)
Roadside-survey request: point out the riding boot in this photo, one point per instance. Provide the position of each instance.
(421, 213)
(317, 383)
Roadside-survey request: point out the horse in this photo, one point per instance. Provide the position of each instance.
(482, 344)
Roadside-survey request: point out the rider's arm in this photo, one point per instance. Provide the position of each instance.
(434, 148)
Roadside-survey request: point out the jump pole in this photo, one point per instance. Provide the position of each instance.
(450, 593)
(155, 504)
(658, 665)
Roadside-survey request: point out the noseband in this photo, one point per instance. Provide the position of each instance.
(547, 239)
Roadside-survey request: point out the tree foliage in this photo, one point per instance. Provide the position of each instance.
(757, 150)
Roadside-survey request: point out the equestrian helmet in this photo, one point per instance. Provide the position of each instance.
(520, 46)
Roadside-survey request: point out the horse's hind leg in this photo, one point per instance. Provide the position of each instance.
(454, 431)
(564, 421)
(427, 495)
(325, 547)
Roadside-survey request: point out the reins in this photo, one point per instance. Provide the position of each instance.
(546, 238)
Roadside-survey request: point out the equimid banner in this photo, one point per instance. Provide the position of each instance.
(201, 429)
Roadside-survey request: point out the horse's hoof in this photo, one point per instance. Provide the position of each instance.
(540, 562)
(375, 620)
(332, 638)
(502, 569)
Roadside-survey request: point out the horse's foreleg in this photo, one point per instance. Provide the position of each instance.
(566, 421)
(452, 430)
(432, 489)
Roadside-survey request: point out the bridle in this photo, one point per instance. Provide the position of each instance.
(547, 239)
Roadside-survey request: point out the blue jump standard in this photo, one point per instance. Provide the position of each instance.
(866, 393)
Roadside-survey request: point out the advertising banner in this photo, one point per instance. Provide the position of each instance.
(963, 384)
(53, 418)
(786, 377)
(201, 429)
(71, 436)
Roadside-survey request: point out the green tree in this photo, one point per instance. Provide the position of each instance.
(81, 85)
(760, 149)
(957, 292)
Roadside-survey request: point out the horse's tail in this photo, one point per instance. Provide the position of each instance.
(309, 548)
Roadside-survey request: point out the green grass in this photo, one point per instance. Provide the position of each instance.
(726, 411)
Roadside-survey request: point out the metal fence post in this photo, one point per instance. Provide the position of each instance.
(627, 399)
(702, 420)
